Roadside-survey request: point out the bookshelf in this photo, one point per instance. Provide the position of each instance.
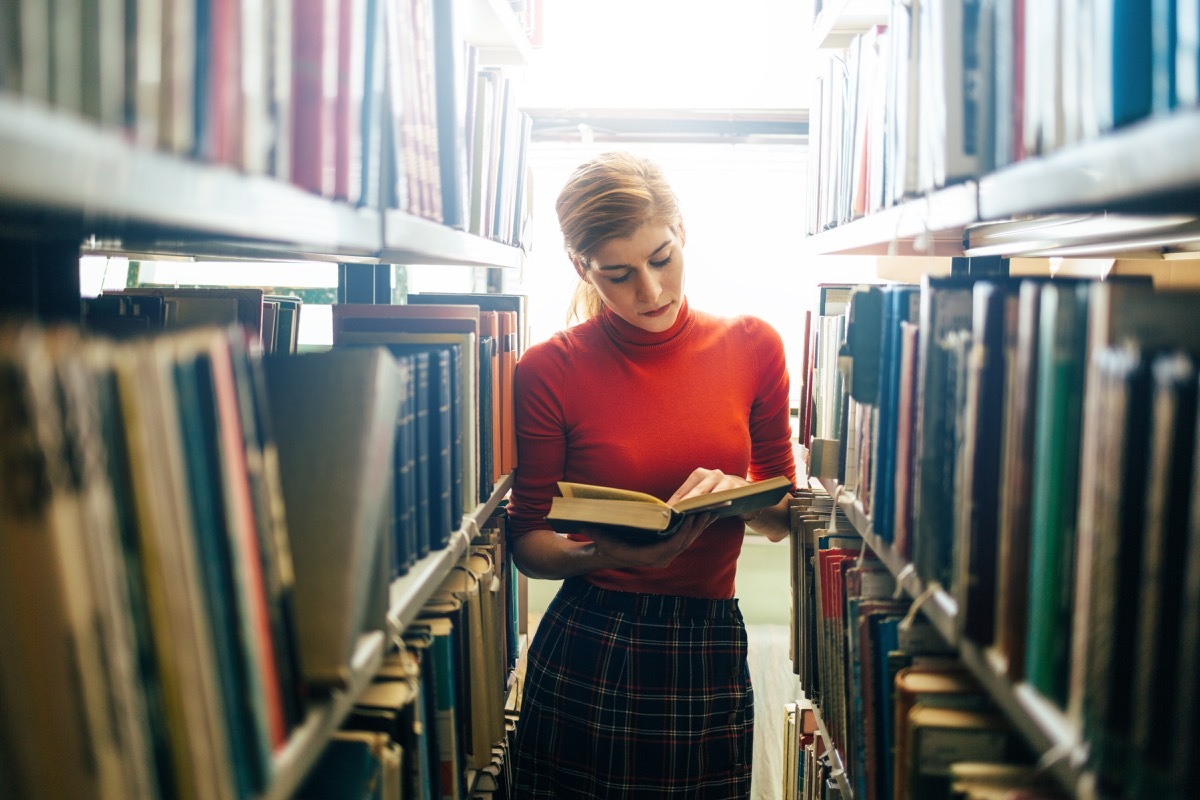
(408, 592)
(836, 770)
(1038, 721)
(1091, 199)
(1119, 197)
(306, 742)
(839, 21)
(72, 184)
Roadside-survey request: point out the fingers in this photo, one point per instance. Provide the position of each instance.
(620, 553)
(705, 481)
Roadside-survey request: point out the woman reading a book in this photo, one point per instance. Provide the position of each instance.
(637, 683)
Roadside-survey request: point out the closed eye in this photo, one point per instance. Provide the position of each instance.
(661, 264)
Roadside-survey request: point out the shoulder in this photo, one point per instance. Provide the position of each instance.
(754, 329)
(558, 352)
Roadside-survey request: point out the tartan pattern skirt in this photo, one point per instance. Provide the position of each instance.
(635, 696)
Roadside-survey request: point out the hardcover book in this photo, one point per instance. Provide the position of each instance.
(643, 517)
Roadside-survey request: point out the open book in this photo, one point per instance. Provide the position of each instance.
(644, 517)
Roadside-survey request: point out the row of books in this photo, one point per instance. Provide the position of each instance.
(457, 436)
(458, 139)
(271, 321)
(380, 103)
(807, 771)
(949, 90)
(196, 537)
(1027, 446)
(158, 642)
(433, 723)
(893, 708)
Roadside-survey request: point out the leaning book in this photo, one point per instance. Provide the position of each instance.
(643, 517)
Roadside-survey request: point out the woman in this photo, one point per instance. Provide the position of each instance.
(637, 683)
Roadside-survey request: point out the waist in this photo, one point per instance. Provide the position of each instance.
(649, 605)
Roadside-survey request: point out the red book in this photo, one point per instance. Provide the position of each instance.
(314, 87)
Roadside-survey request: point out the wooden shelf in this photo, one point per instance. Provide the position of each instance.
(1090, 199)
(1152, 166)
(928, 226)
(837, 765)
(841, 20)
(413, 240)
(1043, 725)
(307, 741)
(64, 176)
(56, 167)
(492, 26)
(409, 592)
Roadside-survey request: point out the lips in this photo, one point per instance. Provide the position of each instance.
(658, 312)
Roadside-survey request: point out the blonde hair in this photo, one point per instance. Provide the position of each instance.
(610, 197)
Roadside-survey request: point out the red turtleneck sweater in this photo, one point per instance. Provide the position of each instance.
(608, 403)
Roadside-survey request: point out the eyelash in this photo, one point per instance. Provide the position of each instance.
(655, 264)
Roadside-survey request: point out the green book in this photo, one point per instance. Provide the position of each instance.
(1055, 487)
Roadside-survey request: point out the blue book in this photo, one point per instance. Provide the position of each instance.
(1163, 37)
(900, 304)
(351, 767)
(1132, 61)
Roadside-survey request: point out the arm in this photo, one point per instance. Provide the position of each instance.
(551, 556)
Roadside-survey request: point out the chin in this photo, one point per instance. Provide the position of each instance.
(661, 322)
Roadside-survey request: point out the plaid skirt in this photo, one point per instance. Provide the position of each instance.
(635, 696)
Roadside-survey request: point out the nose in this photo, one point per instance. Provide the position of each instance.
(649, 287)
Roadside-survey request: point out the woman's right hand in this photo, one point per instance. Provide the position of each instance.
(615, 552)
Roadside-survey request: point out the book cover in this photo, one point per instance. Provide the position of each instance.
(1020, 415)
(1164, 541)
(1185, 769)
(441, 657)
(53, 667)
(351, 767)
(938, 737)
(335, 454)
(314, 26)
(444, 439)
(643, 517)
(448, 66)
(1187, 52)
(1055, 485)
(1109, 554)
(195, 307)
(195, 724)
(938, 685)
(236, 607)
(356, 324)
(350, 88)
(906, 409)
(974, 583)
(900, 304)
(945, 306)
(262, 467)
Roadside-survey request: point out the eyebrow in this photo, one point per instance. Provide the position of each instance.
(657, 250)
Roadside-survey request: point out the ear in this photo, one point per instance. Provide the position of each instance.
(581, 269)
(682, 233)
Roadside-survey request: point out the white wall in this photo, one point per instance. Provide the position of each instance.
(671, 54)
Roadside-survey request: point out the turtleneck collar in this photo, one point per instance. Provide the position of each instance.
(631, 337)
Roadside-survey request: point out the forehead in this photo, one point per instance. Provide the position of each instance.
(638, 246)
